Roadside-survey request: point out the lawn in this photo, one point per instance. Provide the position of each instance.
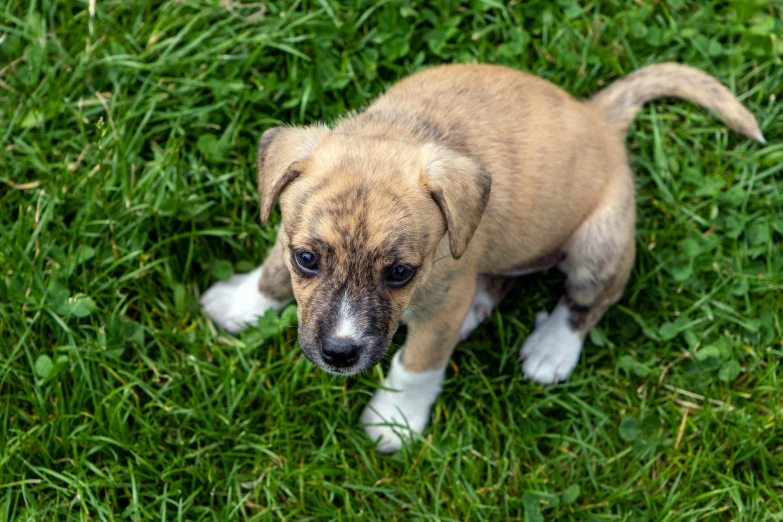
(127, 187)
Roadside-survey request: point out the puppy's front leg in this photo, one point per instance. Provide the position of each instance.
(418, 369)
(237, 303)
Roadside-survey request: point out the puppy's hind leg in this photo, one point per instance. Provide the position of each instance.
(598, 262)
(238, 302)
(490, 291)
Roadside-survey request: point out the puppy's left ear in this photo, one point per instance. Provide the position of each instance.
(460, 187)
(282, 153)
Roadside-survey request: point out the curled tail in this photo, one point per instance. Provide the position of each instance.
(622, 100)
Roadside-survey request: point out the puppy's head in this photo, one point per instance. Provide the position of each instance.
(362, 218)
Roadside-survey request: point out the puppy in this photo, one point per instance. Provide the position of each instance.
(424, 207)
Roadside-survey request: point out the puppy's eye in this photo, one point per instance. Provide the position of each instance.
(306, 262)
(399, 275)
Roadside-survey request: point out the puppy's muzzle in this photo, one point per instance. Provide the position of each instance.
(341, 352)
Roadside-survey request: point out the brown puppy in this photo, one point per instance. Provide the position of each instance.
(422, 207)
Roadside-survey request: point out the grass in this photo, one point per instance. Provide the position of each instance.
(126, 187)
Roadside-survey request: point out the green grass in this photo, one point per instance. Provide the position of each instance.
(126, 187)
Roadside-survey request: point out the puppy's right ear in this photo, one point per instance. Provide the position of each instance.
(281, 153)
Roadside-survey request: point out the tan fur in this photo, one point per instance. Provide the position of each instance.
(432, 337)
(412, 168)
(276, 283)
(622, 100)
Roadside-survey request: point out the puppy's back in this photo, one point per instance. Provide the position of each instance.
(549, 154)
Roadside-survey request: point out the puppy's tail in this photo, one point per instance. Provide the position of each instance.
(622, 100)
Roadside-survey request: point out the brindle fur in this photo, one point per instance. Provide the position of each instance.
(512, 167)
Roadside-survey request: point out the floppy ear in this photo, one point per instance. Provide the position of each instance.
(460, 187)
(281, 153)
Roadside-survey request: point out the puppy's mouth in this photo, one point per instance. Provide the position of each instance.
(345, 372)
(370, 354)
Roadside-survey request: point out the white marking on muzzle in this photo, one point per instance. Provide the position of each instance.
(347, 323)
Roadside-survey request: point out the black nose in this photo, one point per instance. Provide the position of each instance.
(340, 352)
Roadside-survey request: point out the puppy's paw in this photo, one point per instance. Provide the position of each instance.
(237, 303)
(395, 414)
(477, 314)
(551, 352)
(489, 292)
(386, 428)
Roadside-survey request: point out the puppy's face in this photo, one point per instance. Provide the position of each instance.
(360, 228)
(361, 231)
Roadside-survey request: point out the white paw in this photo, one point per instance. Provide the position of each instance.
(395, 414)
(386, 429)
(476, 315)
(237, 303)
(480, 309)
(552, 350)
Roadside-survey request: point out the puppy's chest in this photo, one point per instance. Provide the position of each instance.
(438, 293)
